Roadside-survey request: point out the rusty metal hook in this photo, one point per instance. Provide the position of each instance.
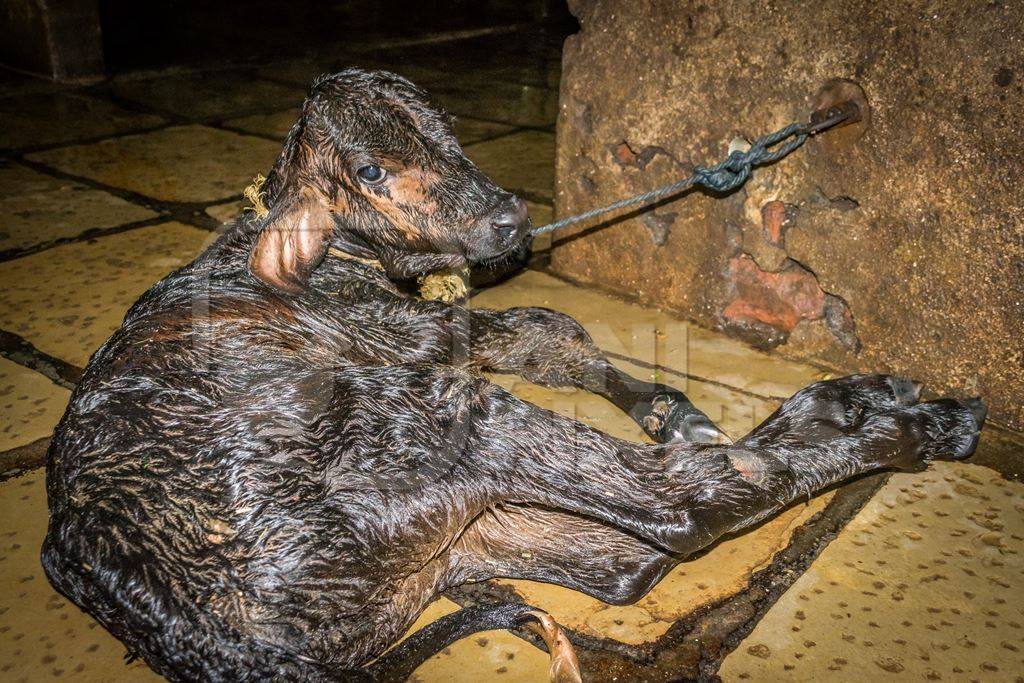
(834, 116)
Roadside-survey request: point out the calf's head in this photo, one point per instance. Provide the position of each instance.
(372, 165)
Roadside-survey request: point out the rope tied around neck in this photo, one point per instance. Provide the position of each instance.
(732, 171)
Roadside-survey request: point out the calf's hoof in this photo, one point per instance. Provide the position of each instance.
(669, 419)
(978, 411)
(906, 391)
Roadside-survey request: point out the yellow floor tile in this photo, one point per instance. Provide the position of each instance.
(50, 118)
(301, 72)
(276, 124)
(924, 584)
(87, 287)
(44, 637)
(30, 405)
(38, 208)
(208, 95)
(523, 161)
(521, 105)
(186, 163)
(469, 130)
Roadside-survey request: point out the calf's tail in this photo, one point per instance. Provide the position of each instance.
(397, 665)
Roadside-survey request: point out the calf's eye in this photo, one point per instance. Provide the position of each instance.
(371, 174)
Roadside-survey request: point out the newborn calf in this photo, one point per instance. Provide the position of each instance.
(279, 459)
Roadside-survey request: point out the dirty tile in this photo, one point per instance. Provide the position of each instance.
(440, 607)
(89, 286)
(520, 105)
(520, 162)
(923, 584)
(276, 124)
(738, 365)
(539, 74)
(184, 163)
(469, 130)
(30, 405)
(421, 75)
(38, 209)
(43, 636)
(45, 118)
(207, 96)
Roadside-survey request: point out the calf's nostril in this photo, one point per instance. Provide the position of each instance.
(506, 225)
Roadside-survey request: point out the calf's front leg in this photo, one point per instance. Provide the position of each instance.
(552, 349)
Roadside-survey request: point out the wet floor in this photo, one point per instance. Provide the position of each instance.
(103, 190)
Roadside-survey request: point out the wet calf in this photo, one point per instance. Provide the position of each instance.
(279, 459)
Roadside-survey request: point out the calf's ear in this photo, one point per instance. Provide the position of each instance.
(291, 243)
(295, 233)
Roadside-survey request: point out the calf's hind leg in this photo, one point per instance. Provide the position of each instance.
(636, 510)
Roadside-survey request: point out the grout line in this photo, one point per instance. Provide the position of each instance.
(84, 236)
(141, 107)
(241, 131)
(17, 349)
(493, 136)
(35, 149)
(192, 213)
(23, 459)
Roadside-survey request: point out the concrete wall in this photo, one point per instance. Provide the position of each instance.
(896, 247)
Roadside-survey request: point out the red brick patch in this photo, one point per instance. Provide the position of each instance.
(780, 300)
(624, 154)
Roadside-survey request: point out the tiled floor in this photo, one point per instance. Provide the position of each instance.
(103, 191)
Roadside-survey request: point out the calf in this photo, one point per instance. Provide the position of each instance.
(280, 459)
